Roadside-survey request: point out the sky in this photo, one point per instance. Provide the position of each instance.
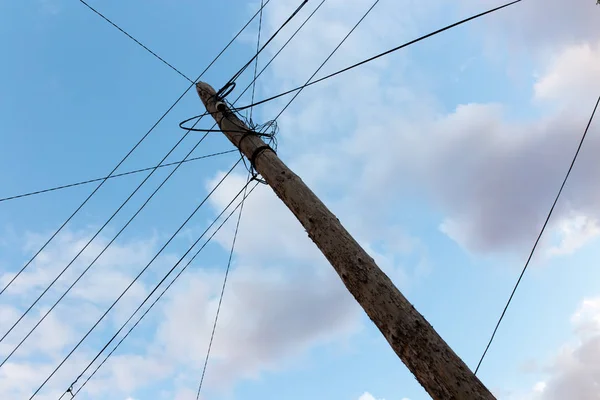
(441, 159)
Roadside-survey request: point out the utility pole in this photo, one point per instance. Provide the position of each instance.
(437, 368)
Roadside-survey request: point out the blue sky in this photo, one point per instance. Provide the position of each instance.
(441, 159)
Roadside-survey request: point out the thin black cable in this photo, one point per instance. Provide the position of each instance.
(154, 290)
(137, 171)
(214, 328)
(329, 57)
(136, 41)
(230, 85)
(100, 253)
(256, 61)
(562, 186)
(259, 74)
(130, 151)
(166, 288)
(377, 56)
(181, 124)
(97, 257)
(252, 170)
(264, 68)
(105, 248)
(135, 279)
(163, 182)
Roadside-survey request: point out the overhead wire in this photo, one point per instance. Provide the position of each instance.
(166, 288)
(102, 252)
(16, 276)
(137, 171)
(237, 226)
(329, 56)
(264, 68)
(355, 65)
(230, 85)
(122, 327)
(562, 186)
(256, 61)
(256, 129)
(272, 59)
(137, 41)
(221, 295)
(378, 56)
(135, 279)
(82, 274)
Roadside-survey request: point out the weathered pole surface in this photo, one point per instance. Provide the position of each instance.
(439, 370)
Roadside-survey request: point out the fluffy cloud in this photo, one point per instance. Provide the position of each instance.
(276, 306)
(267, 316)
(492, 176)
(366, 396)
(543, 25)
(575, 373)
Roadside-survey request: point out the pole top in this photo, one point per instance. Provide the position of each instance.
(204, 88)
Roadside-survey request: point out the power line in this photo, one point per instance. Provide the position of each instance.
(137, 171)
(562, 186)
(101, 252)
(267, 125)
(95, 259)
(255, 79)
(168, 286)
(127, 334)
(230, 85)
(90, 241)
(214, 328)
(256, 60)
(329, 56)
(378, 56)
(239, 217)
(136, 41)
(134, 280)
(129, 153)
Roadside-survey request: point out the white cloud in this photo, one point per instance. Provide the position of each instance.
(539, 387)
(574, 233)
(368, 134)
(274, 310)
(367, 396)
(491, 176)
(573, 74)
(575, 373)
(268, 315)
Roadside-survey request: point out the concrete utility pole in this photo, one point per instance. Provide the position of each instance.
(437, 368)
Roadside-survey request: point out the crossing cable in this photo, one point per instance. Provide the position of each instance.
(129, 153)
(214, 328)
(562, 186)
(252, 169)
(82, 274)
(137, 41)
(230, 85)
(181, 124)
(378, 56)
(127, 334)
(266, 126)
(255, 130)
(329, 57)
(137, 171)
(278, 115)
(232, 249)
(104, 249)
(107, 247)
(70, 390)
(256, 60)
(137, 277)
